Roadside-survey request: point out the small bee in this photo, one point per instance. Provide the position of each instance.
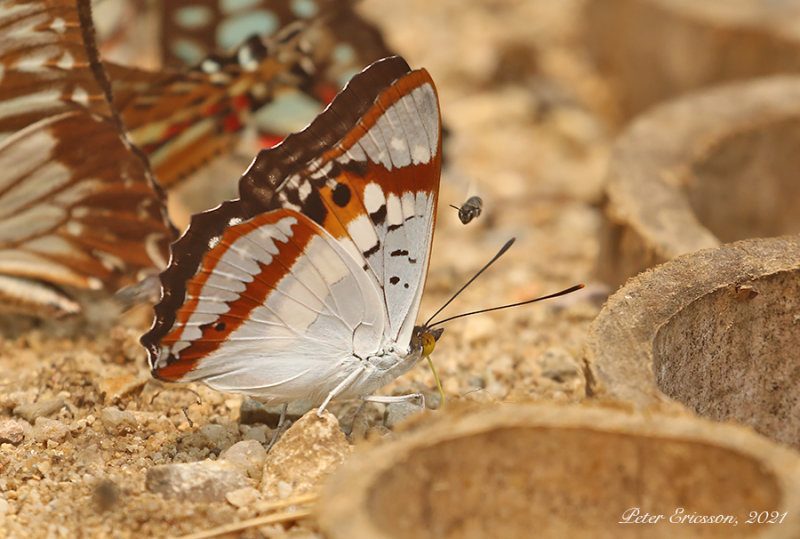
(470, 210)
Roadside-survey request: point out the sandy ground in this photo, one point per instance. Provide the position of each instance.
(528, 134)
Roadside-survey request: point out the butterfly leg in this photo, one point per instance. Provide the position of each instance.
(344, 384)
(280, 428)
(388, 399)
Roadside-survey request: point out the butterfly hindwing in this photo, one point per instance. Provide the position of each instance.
(277, 290)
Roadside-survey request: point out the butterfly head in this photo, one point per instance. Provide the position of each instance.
(424, 339)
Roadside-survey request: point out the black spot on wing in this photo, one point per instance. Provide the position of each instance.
(372, 250)
(393, 227)
(357, 168)
(314, 208)
(394, 280)
(399, 252)
(378, 216)
(341, 195)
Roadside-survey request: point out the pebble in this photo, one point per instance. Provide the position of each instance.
(204, 481)
(558, 364)
(243, 497)
(305, 455)
(284, 490)
(249, 456)
(211, 436)
(214, 435)
(118, 422)
(397, 412)
(3, 507)
(113, 388)
(257, 433)
(32, 410)
(49, 430)
(11, 432)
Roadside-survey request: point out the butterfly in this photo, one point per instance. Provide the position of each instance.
(470, 210)
(342, 41)
(78, 204)
(337, 40)
(182, 118)
(308, 285)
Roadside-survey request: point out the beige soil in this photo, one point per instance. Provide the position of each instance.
(525, 114)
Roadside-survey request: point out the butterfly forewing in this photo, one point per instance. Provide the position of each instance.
(322, 259)
(380, 192)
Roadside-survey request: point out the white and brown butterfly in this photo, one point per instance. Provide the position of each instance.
(78, 204)
(308, 285)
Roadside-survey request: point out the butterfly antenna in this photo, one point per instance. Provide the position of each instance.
(534, 300)
(484, 268)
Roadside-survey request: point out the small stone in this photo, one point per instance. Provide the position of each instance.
(253, 411)
(118, 422)
(204, 481)
(44, 467)
(11, 432)
(106, 495)
(215, 435)
(397, 412)
(284, 490)
(249, 456)
(32, 410)
(559, 365)
(305, 455)
(113, 388)
(243, 497)
(49, 429)
(4, 507)
(257, 433)
(212, 436)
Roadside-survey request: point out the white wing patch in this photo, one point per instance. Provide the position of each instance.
(373, 197)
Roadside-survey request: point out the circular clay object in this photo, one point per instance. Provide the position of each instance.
(717, 330)
(546, 470)
(709, 168)
(654, 50)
